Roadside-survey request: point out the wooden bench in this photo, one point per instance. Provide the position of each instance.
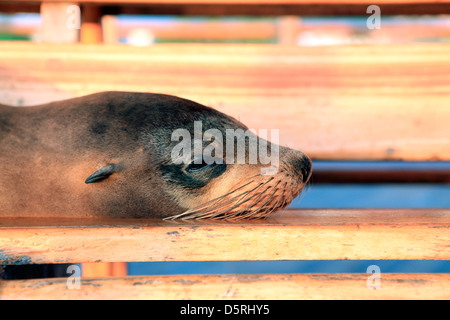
(290, 235)
(334, 103)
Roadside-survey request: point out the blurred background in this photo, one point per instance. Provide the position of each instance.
(309, 31)
(146, 30)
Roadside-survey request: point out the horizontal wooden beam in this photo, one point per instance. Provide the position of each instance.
(229, 287)
(254, 2)
(290, 235)
(380, 176)
(239, 30)
(247, 7)
(341, 103)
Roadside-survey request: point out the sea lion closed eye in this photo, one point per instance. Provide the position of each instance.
(116, 154)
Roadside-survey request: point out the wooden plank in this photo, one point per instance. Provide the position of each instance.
(255, 2)
(381, 2)
(264, 29)
(55, 27)
(249, 2)
(290, 235)
(352, 102)
(104, 269)
(287, 28)
(249, 7)
(380, 176)
(91, 31)
(282, 30)
(230, 287)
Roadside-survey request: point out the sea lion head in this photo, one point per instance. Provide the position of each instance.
(174, 158)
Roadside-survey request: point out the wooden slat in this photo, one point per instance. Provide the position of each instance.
(247, 7)
(261, 29)
(351, 102)
(262, 286)
(91, 31)
(248, 2)
(104, 269)
(290, 235)
(195, 30)
(273, 2)
(54, 27)
(380, 176)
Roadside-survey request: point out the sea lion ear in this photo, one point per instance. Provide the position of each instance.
(102, 173)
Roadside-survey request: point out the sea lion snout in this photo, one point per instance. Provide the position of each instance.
(302, 165)
(296, 165)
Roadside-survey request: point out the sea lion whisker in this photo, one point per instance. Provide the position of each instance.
(276, 205)
(210, 210)
(228, 213)
(286, 200)
(206, 211)
(257, 210)
(300, 195)
(244, 199)
(265, 213)
(212, 214)
(253, 193)
(205, 205)
(222, 200)
(243, 212)
(225, 195)
(258, 198)
(214, 211)
(291, 194)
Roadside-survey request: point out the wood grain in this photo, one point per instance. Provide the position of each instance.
(54, 23)
(229, 287)
(380, 176)
(104, 269)
(243, 8)
(351, 102)
(256, 2)
(290, 235)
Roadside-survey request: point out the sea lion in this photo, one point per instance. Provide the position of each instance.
(111, 154)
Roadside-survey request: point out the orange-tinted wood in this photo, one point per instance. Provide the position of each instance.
(367, 234)
(262, 29)
(250, 7)
(351, 102)
(56, 27)
(257, 2)
(104, 269)
(194, 30)
(91, 31)
(245, 287)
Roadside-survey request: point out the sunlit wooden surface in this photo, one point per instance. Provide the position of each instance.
(366, 234)
(254, 286)
(349, 102)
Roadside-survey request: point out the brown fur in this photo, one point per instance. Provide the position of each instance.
(47, 152)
